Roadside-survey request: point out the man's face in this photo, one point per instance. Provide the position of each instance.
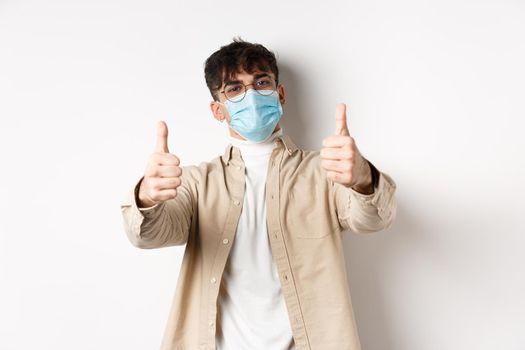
(219, 110)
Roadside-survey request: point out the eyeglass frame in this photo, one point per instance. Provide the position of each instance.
(246, 90)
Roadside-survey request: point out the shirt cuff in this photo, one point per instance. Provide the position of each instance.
(381, 198)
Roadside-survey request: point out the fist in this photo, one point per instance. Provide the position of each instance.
(162, 175)
(341, 159)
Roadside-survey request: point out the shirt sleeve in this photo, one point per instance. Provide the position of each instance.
(164, 224)
(365, 213)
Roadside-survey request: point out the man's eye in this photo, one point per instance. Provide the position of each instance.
(263, 82)
(235, 88)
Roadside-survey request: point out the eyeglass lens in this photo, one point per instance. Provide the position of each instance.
(236, 91)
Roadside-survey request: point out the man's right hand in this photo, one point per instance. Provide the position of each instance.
(163, 174)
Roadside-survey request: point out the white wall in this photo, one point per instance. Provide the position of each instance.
(435, 93)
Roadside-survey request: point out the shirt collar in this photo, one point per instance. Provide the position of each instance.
(282, 140)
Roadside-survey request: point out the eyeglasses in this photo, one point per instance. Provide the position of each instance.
(235, 92)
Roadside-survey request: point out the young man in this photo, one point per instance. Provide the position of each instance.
(263, 266)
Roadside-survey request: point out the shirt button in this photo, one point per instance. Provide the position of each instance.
(213, 280)
(210, 323)
(236, 202)
(238, 167)
(225, 241)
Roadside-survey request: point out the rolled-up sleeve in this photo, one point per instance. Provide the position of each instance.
(365, 213)
(165, 224)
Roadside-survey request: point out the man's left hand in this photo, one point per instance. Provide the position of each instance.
(342, 160)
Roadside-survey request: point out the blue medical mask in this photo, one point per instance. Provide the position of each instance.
(256, 115)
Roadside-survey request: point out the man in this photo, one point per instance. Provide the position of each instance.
(263, 266)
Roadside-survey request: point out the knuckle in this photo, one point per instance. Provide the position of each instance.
(167, 160)
(173, 159)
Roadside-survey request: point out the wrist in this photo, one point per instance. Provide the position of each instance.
(144, 203)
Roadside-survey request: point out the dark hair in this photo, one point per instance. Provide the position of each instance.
(235, 57)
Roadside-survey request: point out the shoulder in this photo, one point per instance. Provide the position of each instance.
(203, 169)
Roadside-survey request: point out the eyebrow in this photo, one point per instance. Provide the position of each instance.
(256, 76)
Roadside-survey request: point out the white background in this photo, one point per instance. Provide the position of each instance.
(435, 93)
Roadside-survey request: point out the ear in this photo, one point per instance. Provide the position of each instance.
(217, 110)
(280, 90)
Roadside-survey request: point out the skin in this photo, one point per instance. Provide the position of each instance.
(340, 157)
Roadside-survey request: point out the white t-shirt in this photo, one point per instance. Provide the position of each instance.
(252, 313)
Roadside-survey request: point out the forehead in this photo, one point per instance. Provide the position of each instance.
(243, 76)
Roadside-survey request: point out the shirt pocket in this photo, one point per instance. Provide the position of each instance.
(308, 213)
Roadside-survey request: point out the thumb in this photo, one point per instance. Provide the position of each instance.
(162, 138)
(340, 120)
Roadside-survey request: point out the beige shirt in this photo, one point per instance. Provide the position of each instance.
(306, 216)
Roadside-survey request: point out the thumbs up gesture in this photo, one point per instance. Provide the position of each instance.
(342, 160)
(162, 175)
